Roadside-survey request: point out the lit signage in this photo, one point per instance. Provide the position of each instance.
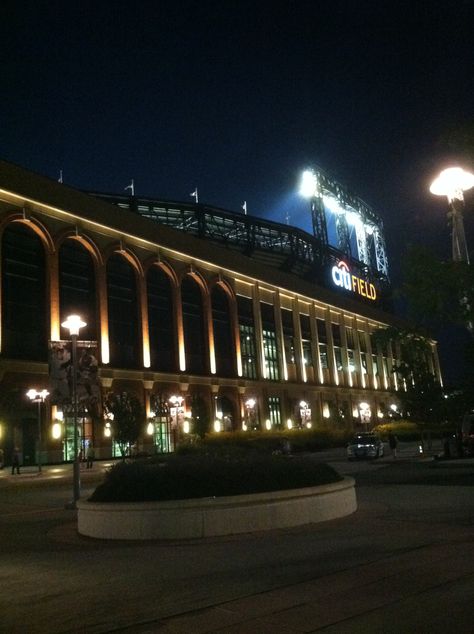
(342, 277)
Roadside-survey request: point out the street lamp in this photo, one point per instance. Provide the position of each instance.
(74, 323)
(38, 397)
(452, 183)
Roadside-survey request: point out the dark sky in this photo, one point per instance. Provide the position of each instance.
(237, 97)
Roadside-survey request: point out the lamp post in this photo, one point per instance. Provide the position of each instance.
(74, 323)
(38, 397)
(452, 183)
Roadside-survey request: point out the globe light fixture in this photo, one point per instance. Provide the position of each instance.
(452, 183)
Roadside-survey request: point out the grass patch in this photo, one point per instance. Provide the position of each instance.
(199, 476)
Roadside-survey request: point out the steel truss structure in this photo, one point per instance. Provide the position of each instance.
(349, 210)
(277, 245)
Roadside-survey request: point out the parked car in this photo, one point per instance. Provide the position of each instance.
(365, 445)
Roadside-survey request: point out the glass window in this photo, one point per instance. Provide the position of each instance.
(351, 359)
(375, 364)
(362, 341)
(247, 337)
(195, 341)
(274, 410)
(288, 335)
(323, 355)
(270, 346)
(350, 338)
(24, 321)
(363, 360)
(223, 337)
(123, 313)
(338, 358)
(322, 333)
(77, 294)
(306, 340)
(161, 321)
(336, 335)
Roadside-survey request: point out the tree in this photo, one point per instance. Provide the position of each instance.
(437, 293)
(128, 418)
(420, 392)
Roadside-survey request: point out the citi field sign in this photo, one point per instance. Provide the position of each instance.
(342, 277)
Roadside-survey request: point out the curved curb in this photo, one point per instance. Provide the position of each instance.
(209, 517)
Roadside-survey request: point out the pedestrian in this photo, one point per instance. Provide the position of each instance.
(90, 455)
(393, 443)
(16, 461)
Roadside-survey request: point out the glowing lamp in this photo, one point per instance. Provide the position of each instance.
(452, 182)
(308, 187)
(73, 323)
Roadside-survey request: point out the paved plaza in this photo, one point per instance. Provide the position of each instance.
(404, 562)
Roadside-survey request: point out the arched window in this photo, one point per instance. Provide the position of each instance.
(77, 291)
(223, 337)
(162, 321)
(24, 313)
(124, 332)
(195, 341)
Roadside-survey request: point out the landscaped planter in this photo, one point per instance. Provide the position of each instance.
(207, 517)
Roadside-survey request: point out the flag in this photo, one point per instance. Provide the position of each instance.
(194, 194)
(131, 187)
(244, 207)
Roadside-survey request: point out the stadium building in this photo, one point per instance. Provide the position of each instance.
(197, 311)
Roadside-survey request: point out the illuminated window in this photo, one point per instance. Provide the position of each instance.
(288, 335)
(323, 339)
(306, 340)
(274, 409)
(270, 346)
(247, 337)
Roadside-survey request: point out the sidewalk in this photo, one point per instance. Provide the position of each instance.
(54, 472)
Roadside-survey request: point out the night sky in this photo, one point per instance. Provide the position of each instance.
(238, 97)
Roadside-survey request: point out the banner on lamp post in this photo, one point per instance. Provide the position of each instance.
(61, 376)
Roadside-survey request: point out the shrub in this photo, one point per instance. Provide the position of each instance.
(301, 440)
(404, 430)
(185, 477)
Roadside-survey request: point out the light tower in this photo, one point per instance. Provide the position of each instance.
(452, 183)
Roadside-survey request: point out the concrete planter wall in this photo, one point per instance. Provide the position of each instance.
(207, 517)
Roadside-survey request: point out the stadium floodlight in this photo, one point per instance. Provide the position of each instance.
(308, 187)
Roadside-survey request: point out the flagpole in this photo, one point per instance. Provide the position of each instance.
(131, 187)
